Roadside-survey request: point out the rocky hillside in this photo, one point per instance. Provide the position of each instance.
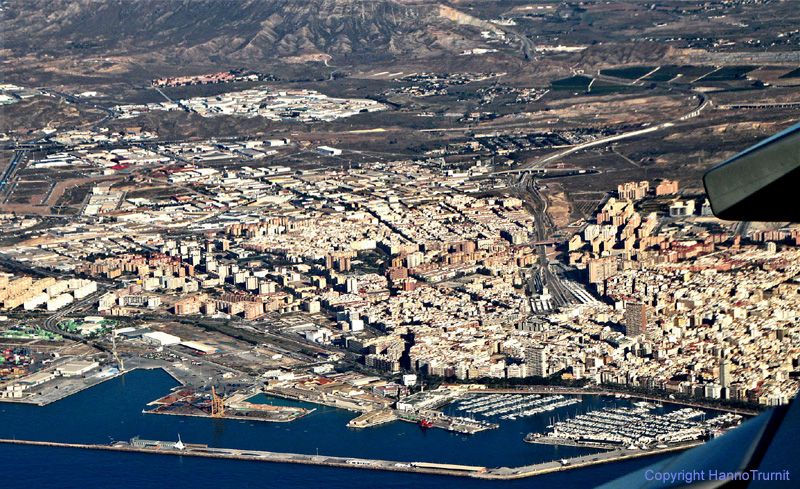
(250, 32)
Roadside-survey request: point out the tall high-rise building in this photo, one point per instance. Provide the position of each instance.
(601, 268)
(536, 360)
(343, 264)
(725, 373)
(633, 190)
(591, 231)
(636, 319)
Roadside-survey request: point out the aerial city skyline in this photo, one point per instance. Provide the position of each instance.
(292, 231)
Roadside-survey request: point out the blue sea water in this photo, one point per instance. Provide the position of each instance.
(113, 411)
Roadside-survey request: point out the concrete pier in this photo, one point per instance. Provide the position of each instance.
(503, 473)
(372, 418)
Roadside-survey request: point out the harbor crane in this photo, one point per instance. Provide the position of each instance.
(114, 350)
(217, 404)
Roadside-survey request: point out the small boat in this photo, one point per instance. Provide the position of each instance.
(532, 436)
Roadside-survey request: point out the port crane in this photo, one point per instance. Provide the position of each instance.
(114, 350)
(217, 404)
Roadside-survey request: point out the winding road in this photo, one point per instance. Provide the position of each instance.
(704, 102)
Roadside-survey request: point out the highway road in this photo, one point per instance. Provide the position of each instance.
(6, 184)
(741, 228)
(164, 95)
(16, 265)
(526, 45)
(110, 114)
(31, 144)
(703, 102)
(538, 164)
(51, 323)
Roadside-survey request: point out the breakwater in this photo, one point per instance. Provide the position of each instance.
(372, 464)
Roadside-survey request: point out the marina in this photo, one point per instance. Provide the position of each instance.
(325, 431)
(634, 427)
(420, 408)
(512, 406)
(429, 419)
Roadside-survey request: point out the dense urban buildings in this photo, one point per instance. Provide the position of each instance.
(415, 211)
(429, 279)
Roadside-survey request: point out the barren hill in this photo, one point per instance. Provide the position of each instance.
(252, 33)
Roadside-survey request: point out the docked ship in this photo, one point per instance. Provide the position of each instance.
(425, 423)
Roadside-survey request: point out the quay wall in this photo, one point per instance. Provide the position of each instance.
(304, 459)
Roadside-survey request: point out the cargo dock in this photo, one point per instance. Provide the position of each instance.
(53, 388)
(373, 418)
(187, 402)
(502, 473)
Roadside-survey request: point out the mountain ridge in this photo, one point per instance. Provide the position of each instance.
(186, 31)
